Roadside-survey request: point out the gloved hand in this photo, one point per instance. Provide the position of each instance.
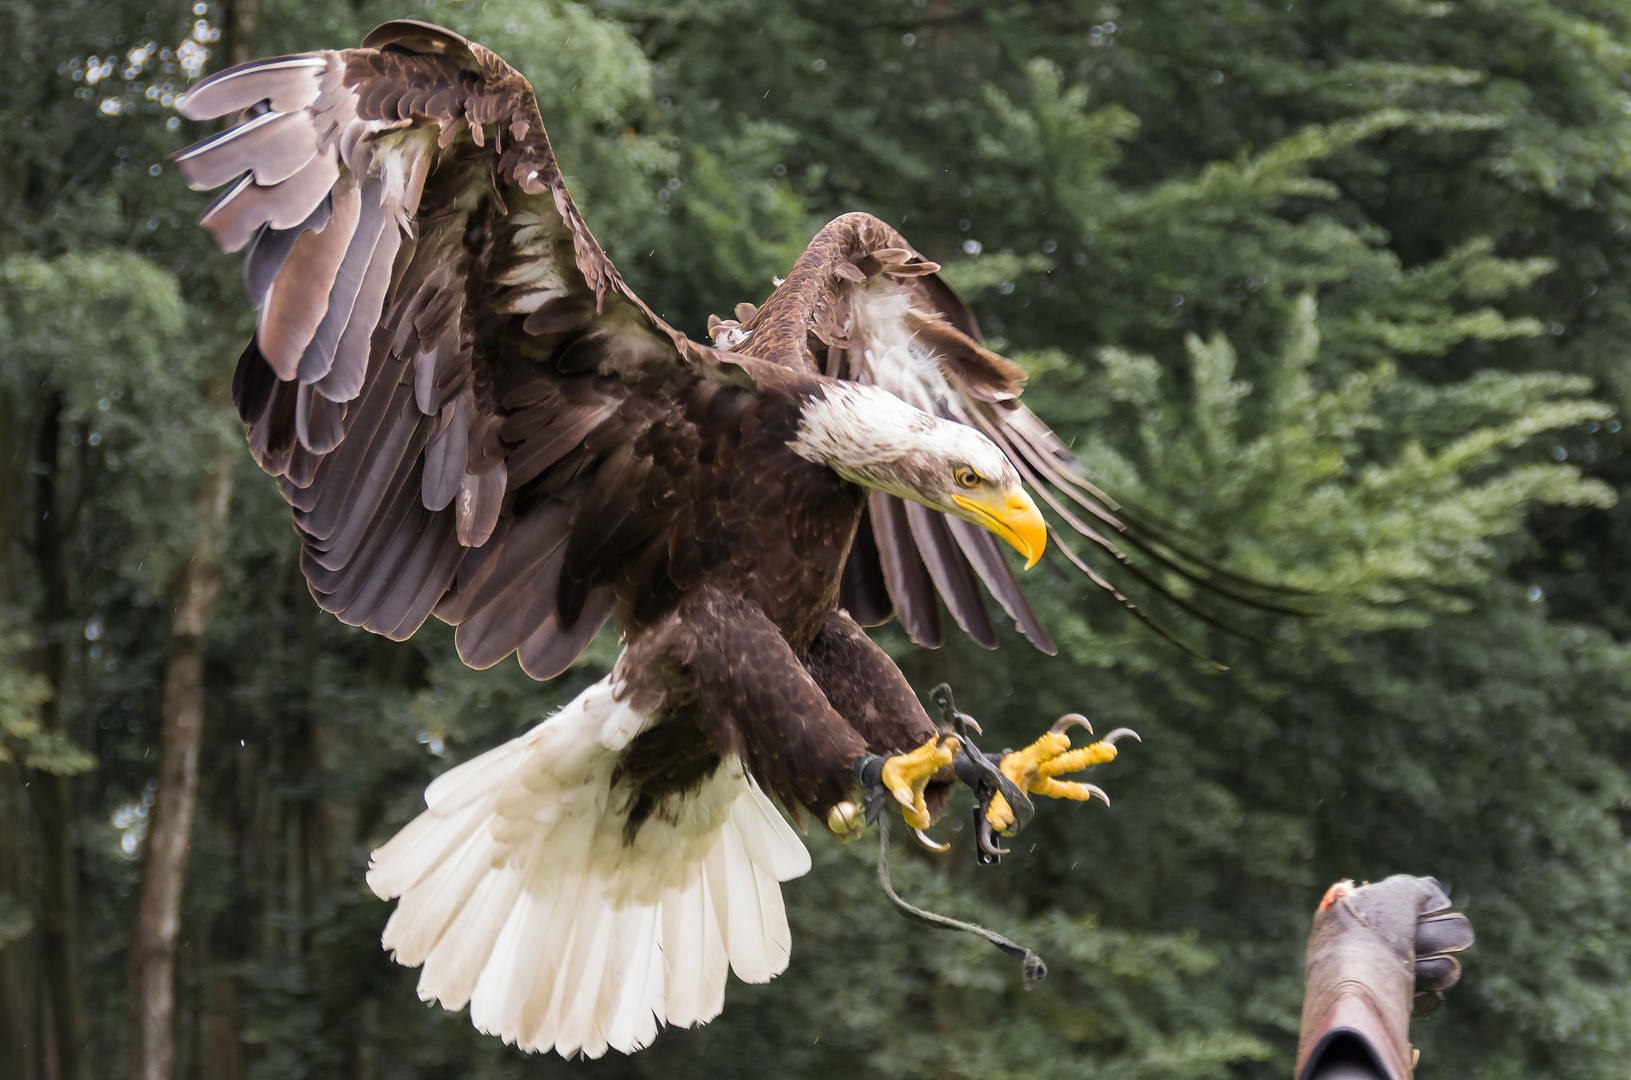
(1377, 955)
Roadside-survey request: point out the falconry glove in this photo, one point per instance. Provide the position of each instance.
(1377, 955)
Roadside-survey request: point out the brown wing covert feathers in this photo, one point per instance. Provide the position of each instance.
(467, 408)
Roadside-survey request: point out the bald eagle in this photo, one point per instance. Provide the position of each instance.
(473, 416)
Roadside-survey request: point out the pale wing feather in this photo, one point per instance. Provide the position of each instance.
(694, 959)
(743, 915)
(771, 841)
(459, 957)
(426, 911)
(639, 982)
(583, 975)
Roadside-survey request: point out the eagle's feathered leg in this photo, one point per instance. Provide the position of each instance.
(870, 692)
(756, 695)
(1036, 767)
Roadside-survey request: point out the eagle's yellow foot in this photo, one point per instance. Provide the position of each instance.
(906, 775)
(1034, 768)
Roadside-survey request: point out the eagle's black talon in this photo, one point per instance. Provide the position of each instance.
(1070, 720)
(987, 852)
(928, 843)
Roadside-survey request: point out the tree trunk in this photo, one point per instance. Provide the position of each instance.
(52, 796)
(159, 923)
(158, 927)
(13, 468)
(59, 942)
(19, 974)
(222, 1052)
(19, 966)
(240, 30)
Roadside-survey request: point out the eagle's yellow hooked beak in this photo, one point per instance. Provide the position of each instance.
(1011, 515)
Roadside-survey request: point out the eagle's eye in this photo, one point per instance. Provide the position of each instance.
(967, 477)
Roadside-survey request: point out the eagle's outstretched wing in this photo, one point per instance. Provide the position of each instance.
(468, 409)
(861, 304)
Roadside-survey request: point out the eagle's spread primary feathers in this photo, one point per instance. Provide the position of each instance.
(473, 416)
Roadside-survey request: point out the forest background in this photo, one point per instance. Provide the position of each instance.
(1341, 287)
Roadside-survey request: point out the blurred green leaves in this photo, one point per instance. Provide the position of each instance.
(1287, 477)
(23, 738)
(107, 337)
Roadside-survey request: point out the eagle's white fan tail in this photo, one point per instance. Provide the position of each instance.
(520, 897)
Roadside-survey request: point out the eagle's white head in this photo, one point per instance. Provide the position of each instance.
(873, 438)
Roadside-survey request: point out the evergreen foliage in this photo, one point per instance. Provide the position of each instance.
(1340, 289)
